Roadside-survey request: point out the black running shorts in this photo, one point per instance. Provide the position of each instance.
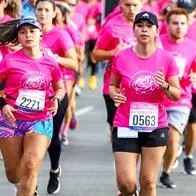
(158, 137)
(111, 109)
(192, 116)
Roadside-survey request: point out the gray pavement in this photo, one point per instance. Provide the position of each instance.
(87, 162)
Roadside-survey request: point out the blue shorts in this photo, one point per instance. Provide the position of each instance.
(43, 127)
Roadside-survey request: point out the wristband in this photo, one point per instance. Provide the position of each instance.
(2, 102)
(166, 88)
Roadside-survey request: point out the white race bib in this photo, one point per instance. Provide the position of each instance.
(143, 116)
(31, 100)
(125, 132)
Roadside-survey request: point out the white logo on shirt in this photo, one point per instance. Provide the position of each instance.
(34, 80)
(144, 84)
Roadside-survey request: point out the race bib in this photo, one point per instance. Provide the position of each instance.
(31, 100)
(125, 132)
(143, 116)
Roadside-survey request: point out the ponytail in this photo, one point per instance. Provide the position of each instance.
(9, 33)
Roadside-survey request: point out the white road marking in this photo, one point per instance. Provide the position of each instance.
(84, 110)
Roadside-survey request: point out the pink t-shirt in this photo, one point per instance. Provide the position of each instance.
(94, 13)
(184, 54)
(136, 75)
(193, 67)
(192, 31)
(32, 76)
(78, 22)
(75, 35)
(115, 31)
(115, 12)
(82, 8)
(59, 41)
(6, 18)
(153, 9)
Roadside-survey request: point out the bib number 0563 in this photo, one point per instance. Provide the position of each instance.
(143, 116)
(143, 120)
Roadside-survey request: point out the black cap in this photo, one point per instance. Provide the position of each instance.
(188, 5)
(147, 16)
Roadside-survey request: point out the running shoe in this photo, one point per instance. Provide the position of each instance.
(78, 90)
(176, 164)
(36, 191)
(92, 83)
(166, 181)
(73, 123)
(65, 140)
(180, 150)
(189, 167)
(81, 82)
(54, 183)
(120, 194)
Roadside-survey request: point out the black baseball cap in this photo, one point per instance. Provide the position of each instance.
(188, 5)
(146, 16)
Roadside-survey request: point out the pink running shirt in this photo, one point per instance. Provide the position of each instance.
(116, 30)
(59, 41)
(136, 75)
(23, 73)
(184, 54)
(192, 31)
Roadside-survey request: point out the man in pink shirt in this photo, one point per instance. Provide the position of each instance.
(184, 52)
(115, 35)
(190, 7)
(190, 132)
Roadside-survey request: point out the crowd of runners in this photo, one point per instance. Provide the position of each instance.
(148, 48)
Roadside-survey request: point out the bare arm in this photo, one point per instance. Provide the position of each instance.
(70, 60)
(171, 87)
(115, 93)
(59, 89)
(102, 55)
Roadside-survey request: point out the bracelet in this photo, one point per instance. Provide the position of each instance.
(168, 86)
(2, 102)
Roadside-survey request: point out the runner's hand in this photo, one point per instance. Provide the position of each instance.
(8, 111)
(54, 106)
(160, 78)
(193, 77)
(119, 97)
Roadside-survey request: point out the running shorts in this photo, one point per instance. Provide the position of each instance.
(157, 138)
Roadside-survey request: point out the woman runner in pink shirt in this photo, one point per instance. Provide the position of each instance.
(57, 43)
(141, 76)
(32, 91)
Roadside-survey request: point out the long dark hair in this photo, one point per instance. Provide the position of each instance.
(64, 12)
(9, 33)
(50, 1)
